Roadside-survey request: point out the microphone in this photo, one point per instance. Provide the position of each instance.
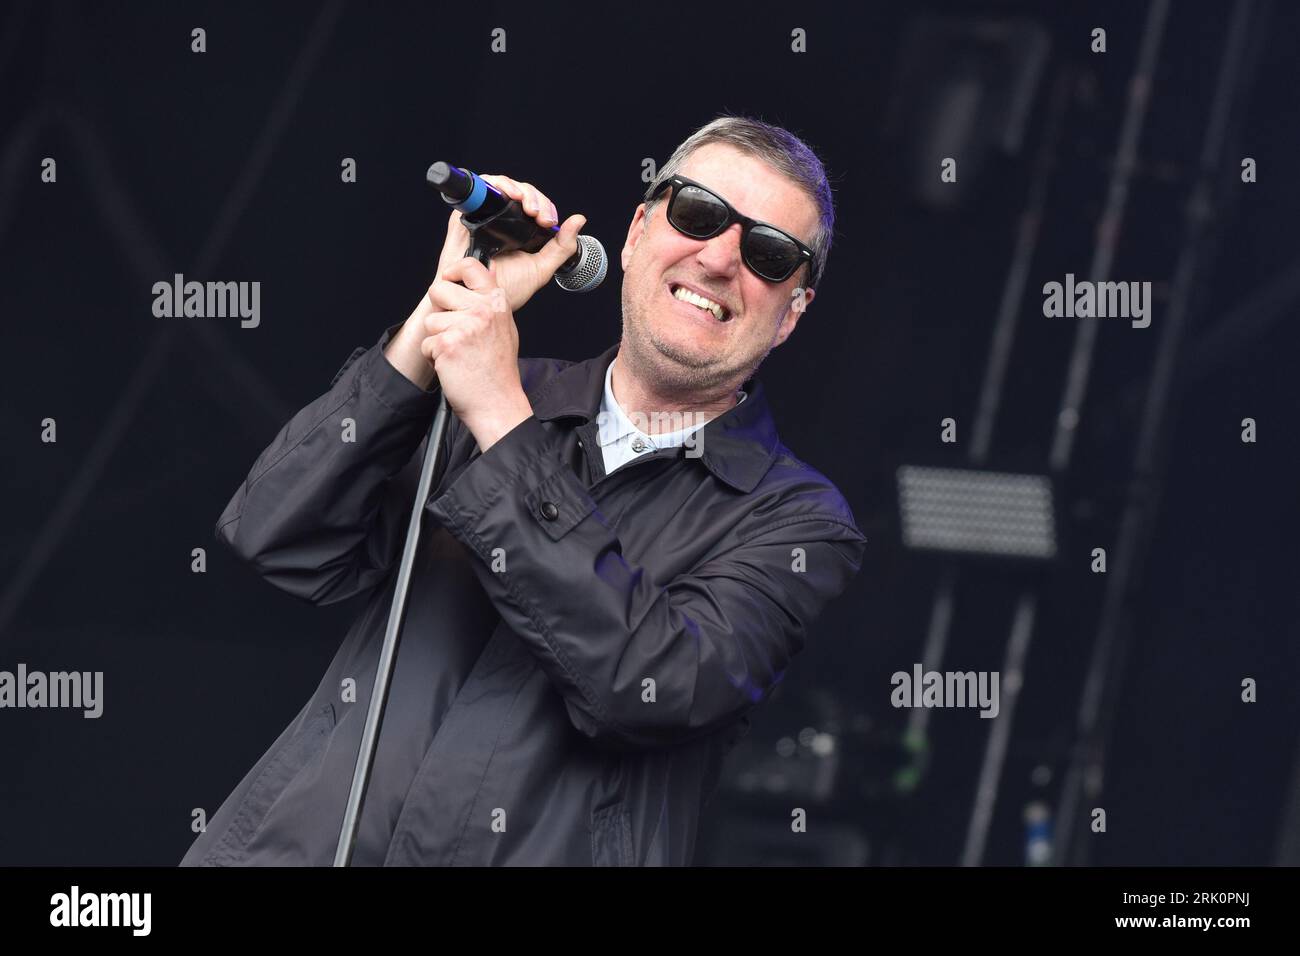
(499, 224)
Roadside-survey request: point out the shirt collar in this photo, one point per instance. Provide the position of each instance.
(738, 446)
(614, 423)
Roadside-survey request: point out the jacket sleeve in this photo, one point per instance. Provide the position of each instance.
(324, 517)
(714, 642)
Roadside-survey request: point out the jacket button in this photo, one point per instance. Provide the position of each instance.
(549, 511)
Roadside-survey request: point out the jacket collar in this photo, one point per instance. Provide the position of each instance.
(738, 446)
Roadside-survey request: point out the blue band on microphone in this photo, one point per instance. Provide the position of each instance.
(476, 196)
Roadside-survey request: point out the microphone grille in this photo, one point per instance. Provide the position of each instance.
(590, 270)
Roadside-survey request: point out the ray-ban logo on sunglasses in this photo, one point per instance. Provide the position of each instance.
(696, 211)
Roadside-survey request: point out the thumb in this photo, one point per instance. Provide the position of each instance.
(456, 242)
(564, 243)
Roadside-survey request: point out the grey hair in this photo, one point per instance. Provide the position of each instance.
(780, 149)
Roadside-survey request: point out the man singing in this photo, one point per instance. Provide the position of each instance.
(620, 557)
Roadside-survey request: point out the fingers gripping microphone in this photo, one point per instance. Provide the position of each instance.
(499, 224)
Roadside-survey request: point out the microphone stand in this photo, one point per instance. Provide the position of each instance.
(487, 238)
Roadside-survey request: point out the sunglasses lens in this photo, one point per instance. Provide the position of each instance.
(696, 213)
(771, 254)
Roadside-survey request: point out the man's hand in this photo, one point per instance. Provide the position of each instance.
(515, 276)
(519, 274)
(473, 346)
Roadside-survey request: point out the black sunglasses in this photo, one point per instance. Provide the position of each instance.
(697, 211)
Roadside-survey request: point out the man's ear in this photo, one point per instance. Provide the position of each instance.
(634, 233)
(800, 299)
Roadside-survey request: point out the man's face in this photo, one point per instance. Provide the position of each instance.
(681, 347)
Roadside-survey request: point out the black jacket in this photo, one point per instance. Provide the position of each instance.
(580, 649)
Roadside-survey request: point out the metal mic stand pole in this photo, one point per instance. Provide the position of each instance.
(482, 250)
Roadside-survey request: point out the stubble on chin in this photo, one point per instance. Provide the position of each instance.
(675, 371)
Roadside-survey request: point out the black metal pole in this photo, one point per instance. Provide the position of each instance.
(482, 251)
(388, 651)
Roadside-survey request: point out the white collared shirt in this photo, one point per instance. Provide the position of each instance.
(621, 439)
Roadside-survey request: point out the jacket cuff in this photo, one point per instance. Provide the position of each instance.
(525, 460)
(393, 389)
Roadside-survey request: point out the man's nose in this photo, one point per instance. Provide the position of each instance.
(720, 255)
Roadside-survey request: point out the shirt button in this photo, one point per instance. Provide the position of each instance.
(549, 511)
(639, 445)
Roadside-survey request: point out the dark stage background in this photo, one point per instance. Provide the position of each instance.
(225, 165)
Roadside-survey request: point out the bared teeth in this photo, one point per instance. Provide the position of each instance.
(699, 301)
